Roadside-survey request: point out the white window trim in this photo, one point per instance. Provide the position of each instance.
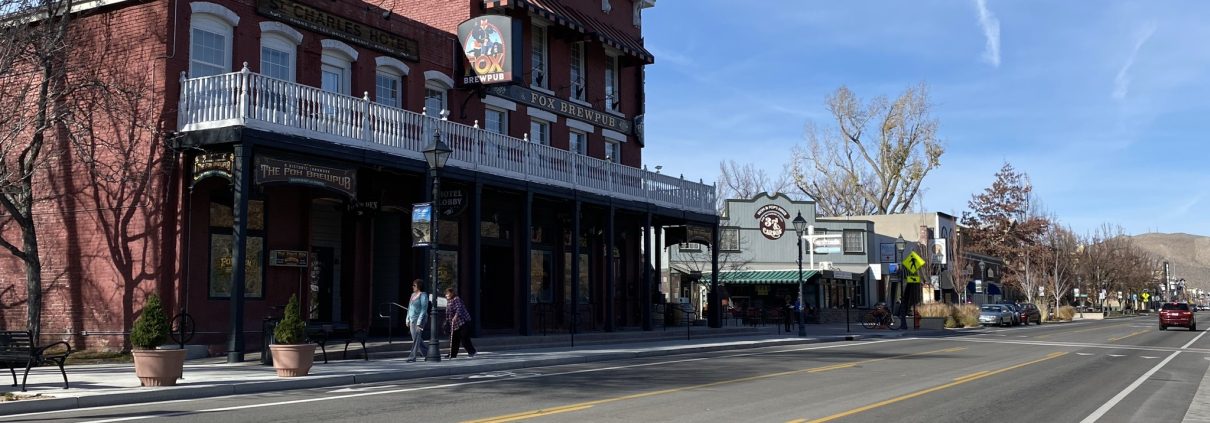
(582, 126)
(613, 135)
(549, 125)
(541, 114)
(437, 76)
(607, 156)
(393, 63)
(500, 110)
(581, 102)
(583, 144)
(277, 42)
(337, 58)
(347, 50)
(392, 72)
(214, 22)
(285, 31)
(500, 103)
(216, 10)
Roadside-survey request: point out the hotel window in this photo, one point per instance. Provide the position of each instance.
(578, 142)
(495, 120)
(613, 151)
(209, 46)
(577, 71)
(277, 57)
(388, 87)
(538, 72)
(611, 82)
(854, 241)
(539, 131)
(336, 66)
(728, 239)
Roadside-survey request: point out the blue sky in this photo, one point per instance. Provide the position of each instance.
(1105, 105)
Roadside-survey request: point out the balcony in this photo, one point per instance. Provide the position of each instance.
(259, 102)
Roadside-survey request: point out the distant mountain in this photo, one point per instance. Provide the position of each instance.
(1188, 256)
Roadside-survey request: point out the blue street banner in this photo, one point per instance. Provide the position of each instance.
(422, 224)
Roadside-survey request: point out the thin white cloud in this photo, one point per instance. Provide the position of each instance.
(991, 30)
(1121, 83)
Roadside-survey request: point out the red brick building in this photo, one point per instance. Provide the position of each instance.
(297, 126)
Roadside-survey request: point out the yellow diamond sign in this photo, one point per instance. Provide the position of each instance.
(913, 262)
(913, 278)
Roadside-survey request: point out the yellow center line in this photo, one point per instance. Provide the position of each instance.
(589, 404)
(1080, 330)
(1130, 335)
(975, 374)
(962, 380)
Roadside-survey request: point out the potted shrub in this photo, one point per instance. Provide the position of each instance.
(932, 315)
(292, 354)
(154, 367)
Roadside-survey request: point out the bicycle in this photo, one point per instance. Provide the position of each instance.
(878, 319)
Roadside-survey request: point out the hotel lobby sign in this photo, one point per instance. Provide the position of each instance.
(563, 107)
(346, 29)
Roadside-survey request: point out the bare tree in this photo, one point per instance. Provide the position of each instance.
(875, 158)
(1062, 253)
(746, 181)
(35, 42)
(1001, 224)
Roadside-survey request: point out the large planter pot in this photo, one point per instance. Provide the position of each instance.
(292, 360)
(932, 323)
(158, 367)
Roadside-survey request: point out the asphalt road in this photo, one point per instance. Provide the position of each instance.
(1123, 370)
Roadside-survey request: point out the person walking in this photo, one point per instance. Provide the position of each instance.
(787, 315)
(418, 311)
(457, 318)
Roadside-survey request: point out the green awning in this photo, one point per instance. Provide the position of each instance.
(760, 277)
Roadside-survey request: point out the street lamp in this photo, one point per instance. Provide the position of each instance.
(900, 245)
(800, 226)
(436, 154)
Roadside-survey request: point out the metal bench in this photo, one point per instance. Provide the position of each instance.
(17, 348)
(323, 332)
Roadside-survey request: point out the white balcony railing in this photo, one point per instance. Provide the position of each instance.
(260, 102)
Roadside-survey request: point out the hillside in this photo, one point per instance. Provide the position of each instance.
(1188, 255)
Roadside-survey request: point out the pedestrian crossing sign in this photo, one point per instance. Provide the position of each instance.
(912, 263)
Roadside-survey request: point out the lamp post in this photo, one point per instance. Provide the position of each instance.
(436, 154)
(900, 245)
(800, 226)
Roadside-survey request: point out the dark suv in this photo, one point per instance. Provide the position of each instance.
(1177, 314)
(1029, 313)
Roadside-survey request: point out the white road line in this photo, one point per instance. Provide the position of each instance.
(1199, 409)
(1104, 408)
(1082, 345)
(1084, 353)
(424, 388)
(1115, 355)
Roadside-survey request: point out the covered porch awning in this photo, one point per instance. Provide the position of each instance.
(761, 277)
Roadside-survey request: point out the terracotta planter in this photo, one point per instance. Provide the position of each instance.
(158, 367)
(292, 360)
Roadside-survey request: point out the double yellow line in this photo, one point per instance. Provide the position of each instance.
(956, 382)
(1080, 330)
(1130, 335)
(589, 404)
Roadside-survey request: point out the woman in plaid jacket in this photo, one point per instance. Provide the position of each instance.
(457, 318)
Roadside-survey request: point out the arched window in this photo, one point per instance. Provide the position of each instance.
(388, 81)
(278, 50)
(336, 68)
(436, 92)
(210, 31)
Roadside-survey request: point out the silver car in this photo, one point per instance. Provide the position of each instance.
(996, 314)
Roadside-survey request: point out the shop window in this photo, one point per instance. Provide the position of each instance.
(854, 242)
(728, 239)
(447, 270)
(585, 289)
(541, 289)
(222, 248)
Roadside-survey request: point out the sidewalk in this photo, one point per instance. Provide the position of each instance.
(114, 384)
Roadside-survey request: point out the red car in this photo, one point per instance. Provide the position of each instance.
(1177, 314)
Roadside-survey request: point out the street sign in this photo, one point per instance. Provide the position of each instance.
(893, 267)
(913, 278)
(1146, 296)
(913, 262)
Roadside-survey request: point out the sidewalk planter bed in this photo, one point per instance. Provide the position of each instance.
(936, 323)
(154, 367)
(292, 354)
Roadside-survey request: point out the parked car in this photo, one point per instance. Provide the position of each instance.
(1016, 310)
(1177, 314)
(997, 314)
(1029, 313)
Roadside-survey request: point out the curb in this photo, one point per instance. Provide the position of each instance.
(326, 381)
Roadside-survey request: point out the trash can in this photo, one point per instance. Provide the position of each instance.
(267, 327)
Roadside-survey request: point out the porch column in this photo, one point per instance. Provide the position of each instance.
(657, 238)
(575, 266)
(477, 260)
(609, 276)
(646, 296)
(715, 303)
(242, 186)
(527, 246)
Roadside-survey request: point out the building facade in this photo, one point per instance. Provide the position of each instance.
(296, 148)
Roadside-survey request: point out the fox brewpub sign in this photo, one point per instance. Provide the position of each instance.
(490, 48)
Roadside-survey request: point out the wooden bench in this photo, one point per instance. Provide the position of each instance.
(17, 348)
(323, 332)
